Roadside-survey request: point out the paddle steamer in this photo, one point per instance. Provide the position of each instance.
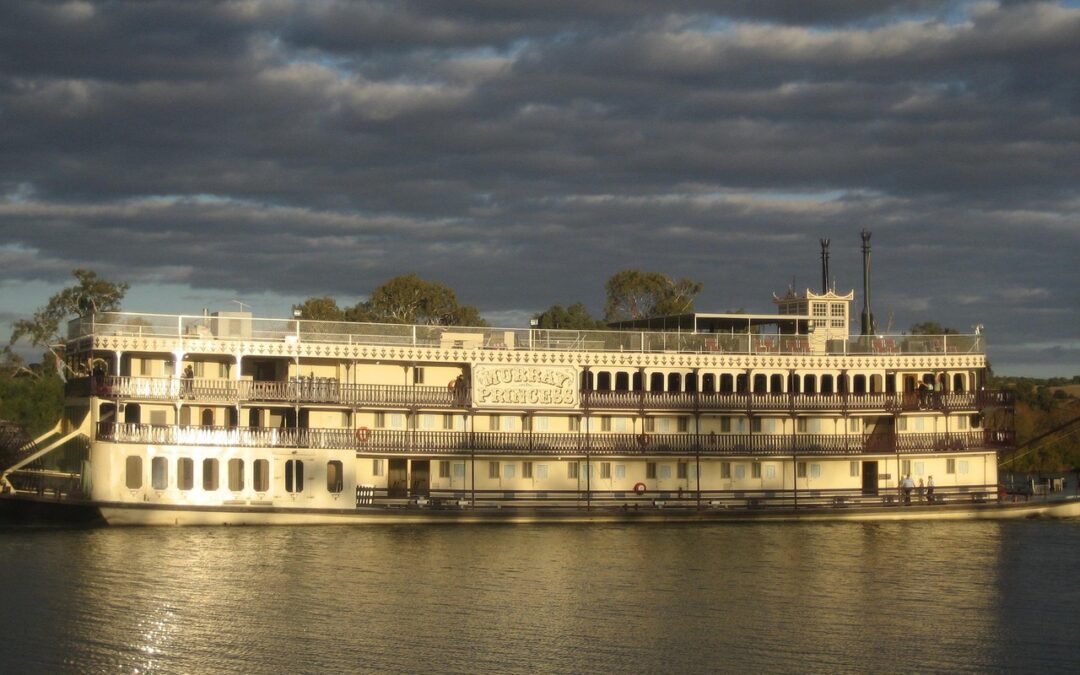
(229, 418)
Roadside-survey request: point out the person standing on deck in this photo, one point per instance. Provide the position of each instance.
(930, 489)
(907, 485)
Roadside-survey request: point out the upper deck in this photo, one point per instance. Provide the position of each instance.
(127, 330)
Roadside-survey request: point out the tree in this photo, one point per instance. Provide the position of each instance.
(410, 299)
(635, 294)
(320, 309)
(932, 328)
(574, 317)
(90, 295)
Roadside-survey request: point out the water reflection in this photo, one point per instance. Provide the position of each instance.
(841, 597)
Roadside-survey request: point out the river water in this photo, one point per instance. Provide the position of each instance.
(842, 597)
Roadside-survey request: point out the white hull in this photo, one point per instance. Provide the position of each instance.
(132, 514)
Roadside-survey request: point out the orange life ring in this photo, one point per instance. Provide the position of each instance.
(640, 488)
(363, 435)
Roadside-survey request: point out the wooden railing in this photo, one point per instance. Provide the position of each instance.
(330, 391)
(401, 441)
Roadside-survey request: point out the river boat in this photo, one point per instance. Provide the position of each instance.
(226, 418)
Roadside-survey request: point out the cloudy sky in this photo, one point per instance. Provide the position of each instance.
(265, 151)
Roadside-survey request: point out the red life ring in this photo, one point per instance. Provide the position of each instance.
(640, 488)
(363, 435)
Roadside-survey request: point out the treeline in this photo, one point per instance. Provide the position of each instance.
(1043, 406)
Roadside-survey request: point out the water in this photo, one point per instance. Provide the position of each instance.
(843, 597)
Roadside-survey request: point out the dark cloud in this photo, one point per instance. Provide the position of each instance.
(523, 152)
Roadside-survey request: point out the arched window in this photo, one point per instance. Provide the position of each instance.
(793, 383)
(638, 381)
(727, 383)
(708, 383)
(674, 382)
(622, 381)
(810, 384)
(776, 383)
(875, 384)
(859, 384)
(741, 383)
(587, 380)
(827, 384)
(133, 413)
(958, 382)
(207, 417)
(603, 381)
(761, 383)
(656, 382)
(691, 382)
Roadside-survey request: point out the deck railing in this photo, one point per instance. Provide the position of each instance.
(400, 441)
(235, 326)
(331, 391)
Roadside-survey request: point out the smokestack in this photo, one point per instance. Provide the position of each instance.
(868, 326)
(824, 265)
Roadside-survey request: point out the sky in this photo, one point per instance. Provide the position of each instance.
(253, 153)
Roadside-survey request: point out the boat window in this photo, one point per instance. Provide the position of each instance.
(815, 471)
(725, 469)
(207, 417)
(622, 381)
(572, 470)
(859, 385)
(755, 470)
(133, 472)
(444, 470)
(708, 383)
(650, 469)
(603, 381)
(761, 383)
(210, 475)
(260, 475)
(376, 467)
(185, 473)
(526, 469)
(683, 470)
(493, 469)
(800, 469)
(826, 384)
(674, 382)
(236, 474)
(776, 383)
(335, 480)
(508, 471)
(294, 475)
(159, 473)
(605, 469)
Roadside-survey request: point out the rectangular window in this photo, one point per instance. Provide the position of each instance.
(459, 470)
(526, 470)
(380, 420)
(770, 471)
(133, 472)
(725, 425)
(444, 468)
(335, 476)
(920, 468)
(427, 421)
(682, 470)
(815, 471)
(901, 424)
(961, 423)
(650, 425)
(159, 473)
(605, 423)
(574, 424)
(962, 466)
(800, 469)
(605, 469)
(755, 470)
(621, 425)
(185, 473)
(493, 469)
(665, 471)
(223, 370)
(650, 469)
(236, 475)
(542, 471)
(572, 470)
(905, 468)
(199, 369)
(376, 467)
(837, 309)
(447, 422)
(210, 475)
(144, 367)
(493, 423)
(853, 469)
(950, 465)
(158, 417)
(260, 475)
(684, 425)
(397, 421)
(508, 471)
(855, 425)
(541, 424)
(755, 425)
(620, 471)
(725, 469)
(740, 471)
(818, 308)
(417, 375)
(294, 475)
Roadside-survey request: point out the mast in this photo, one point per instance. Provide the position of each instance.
(824, 266)
(868, 325)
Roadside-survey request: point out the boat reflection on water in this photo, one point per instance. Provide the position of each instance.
(837, 597)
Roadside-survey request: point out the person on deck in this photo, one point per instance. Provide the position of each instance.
(930, 490)
(907, 485)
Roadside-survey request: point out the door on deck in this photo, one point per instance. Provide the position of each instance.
(869, 478)
(397, 478)
(420, 483)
